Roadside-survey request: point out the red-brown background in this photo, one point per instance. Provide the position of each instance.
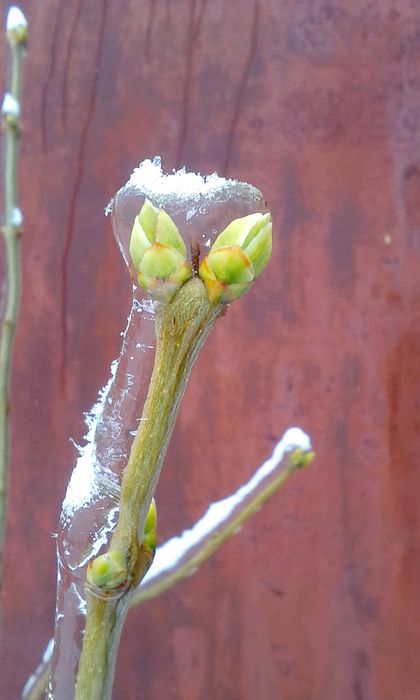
(318, 104)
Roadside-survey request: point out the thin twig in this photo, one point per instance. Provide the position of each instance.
(180, 557)
(193, 547)
(12, 229)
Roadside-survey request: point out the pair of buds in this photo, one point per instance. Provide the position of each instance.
(236, 258)
(109, 572)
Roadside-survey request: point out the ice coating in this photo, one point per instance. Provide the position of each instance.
(201, 207)
(90, 506)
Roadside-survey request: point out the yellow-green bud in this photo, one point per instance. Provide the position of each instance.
(158, 253)
(108, 571)
(300, 459)
(237, 257)
(151, 520)
(149, 535)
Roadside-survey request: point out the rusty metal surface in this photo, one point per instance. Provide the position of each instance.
(317, 103)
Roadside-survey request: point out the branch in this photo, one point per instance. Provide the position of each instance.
(182, 326)
(16, 31)
(180, 556)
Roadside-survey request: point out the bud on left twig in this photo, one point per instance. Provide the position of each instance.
(16, 27)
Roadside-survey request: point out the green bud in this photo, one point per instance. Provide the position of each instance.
(158, 253)
(149, 536)
(108, 571)
(148, 545)
(151, 520)
(300, 459)
(237, 257)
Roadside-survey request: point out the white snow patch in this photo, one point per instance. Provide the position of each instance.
(172, 551)
(83, 482)
(182, 186)
(10, 106)
(15, 19)
(149, 177)
(17, 217)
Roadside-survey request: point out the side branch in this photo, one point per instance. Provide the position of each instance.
(11, 230)
(180, 556)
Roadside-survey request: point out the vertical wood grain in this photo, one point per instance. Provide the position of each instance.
(318, 104)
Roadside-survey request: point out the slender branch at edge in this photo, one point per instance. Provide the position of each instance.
(11, 231)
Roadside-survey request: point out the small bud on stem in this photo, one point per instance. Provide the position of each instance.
(108, 571)
(16, 26)
(158, 253)
(237, 257)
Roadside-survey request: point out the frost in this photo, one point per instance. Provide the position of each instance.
(15, 19)
(10, 106)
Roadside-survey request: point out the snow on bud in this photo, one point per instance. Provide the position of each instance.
(108, 571)
(16, 26)
(237, 257)
(11, 111)
(17, 217)
(10, 106)
(158, 253)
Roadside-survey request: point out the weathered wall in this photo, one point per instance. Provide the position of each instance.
(318, 104)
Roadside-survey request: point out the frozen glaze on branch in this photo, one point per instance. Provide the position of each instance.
(182, 215)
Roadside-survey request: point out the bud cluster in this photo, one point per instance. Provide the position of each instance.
(236, 258)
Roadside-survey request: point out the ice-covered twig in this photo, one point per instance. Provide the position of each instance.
(181, 556)
(182, 326)
(16, 30)
(198, 250)
(36, 684)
